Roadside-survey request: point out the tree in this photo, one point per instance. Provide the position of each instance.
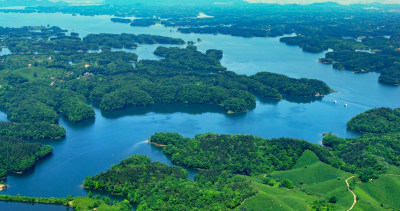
(286, 183)
(332, 199)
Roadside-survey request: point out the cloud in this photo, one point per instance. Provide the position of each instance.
(80, 2)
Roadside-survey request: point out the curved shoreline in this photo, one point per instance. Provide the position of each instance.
(3, 187)
(156, 144)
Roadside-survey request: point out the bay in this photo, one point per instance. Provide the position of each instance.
(93, 146)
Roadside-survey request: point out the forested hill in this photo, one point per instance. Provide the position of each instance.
(237, 170)
(156, 186)
(50, 73)
(378, 121)
(17, 155)
(245, 154)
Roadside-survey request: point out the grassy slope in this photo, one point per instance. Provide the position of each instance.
(385, 191)
(274, 198)
(82, 204)
(316, 180)
(319, 179)
(313, 179)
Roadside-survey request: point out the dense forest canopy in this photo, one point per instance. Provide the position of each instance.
(318, 27)
(17, 155)
(52, 73)
(156, 186)
(37, 130)
(377, 120)
(368, 155)
(152, 185)
(62, 75)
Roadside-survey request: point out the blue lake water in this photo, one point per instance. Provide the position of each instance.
(12, 206)
(92, 147)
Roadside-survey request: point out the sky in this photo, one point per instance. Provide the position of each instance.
(319, 1)
(268, 1)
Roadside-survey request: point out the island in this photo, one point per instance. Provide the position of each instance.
(245, 172)
(363, 37)
(52, 73)
(61, 75)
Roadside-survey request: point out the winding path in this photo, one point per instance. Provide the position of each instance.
(354, 195)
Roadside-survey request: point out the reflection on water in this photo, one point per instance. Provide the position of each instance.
(94, 145)
(164, 109)
(14, 206)
(302, 100)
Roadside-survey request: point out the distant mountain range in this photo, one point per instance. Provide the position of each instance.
(13, 3)
(345, 2)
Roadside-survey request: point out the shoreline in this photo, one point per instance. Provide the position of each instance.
(156, 144)
(3, 187)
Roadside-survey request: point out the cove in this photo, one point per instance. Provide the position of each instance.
(93, 146)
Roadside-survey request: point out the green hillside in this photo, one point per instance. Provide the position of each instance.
(379, 194)
(319, 179)
(274, 198)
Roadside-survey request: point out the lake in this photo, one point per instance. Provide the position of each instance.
(93, 146)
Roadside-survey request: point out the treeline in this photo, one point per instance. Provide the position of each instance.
(44, 86)
(251, 20)
(37, 130)
(38, 102)
(40, 200)
(232, 30)
(191, 59)
(156, 186)
(183, 77)
(17, 155)
(77, 203)
(359, 62)
(137, 22)
(245, 154)
(341, 28)
(349, 54)
(377, 120)
(48, 40)
(368, 155)
(320, 44)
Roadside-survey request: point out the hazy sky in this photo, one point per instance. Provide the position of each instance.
(317, 1)
(270, 1)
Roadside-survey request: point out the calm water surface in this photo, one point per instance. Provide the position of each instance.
(93, 146)
(12, 206)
